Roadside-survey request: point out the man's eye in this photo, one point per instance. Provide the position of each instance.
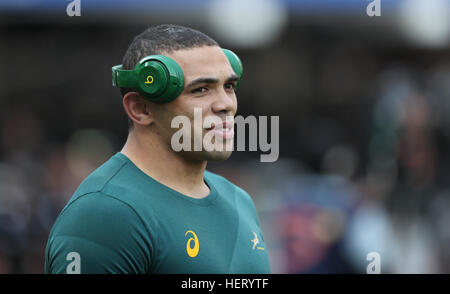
(230, 86)
(200, 90)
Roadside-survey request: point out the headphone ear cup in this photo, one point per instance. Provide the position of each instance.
(236, 64)
(152, 78)
(160, 78)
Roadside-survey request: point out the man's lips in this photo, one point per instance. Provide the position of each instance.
(224, 125)
(224, 130)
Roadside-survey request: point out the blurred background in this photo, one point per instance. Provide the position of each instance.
(364, 134)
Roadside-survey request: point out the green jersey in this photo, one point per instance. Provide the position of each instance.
(120, 220)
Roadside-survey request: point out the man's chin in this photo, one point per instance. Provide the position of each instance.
(211, 155)
(217, 155)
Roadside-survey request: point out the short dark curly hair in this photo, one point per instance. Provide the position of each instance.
(161, 39)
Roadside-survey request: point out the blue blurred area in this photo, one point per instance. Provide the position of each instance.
(89, 6)
(158, 6)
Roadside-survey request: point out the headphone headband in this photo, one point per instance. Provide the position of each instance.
(159, 78)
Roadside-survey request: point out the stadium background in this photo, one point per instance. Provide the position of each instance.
(364, 130)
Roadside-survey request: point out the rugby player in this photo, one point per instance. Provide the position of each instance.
(150, 209)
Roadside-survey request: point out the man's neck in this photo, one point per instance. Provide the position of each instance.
(166, 166)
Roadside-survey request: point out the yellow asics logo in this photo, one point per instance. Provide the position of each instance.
(149, 80)
(192, 251)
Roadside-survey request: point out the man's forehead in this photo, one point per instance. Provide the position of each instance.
(206, 61)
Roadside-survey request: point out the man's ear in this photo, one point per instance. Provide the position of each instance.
(137, 109)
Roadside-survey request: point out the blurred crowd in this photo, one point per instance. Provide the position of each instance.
(364, 137)
(388, 196)
(37, 178)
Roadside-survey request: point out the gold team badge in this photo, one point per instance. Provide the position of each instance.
(255, 242)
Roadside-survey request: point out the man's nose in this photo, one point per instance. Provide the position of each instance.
(224, 103)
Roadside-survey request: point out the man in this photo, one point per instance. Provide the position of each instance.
(150, 209)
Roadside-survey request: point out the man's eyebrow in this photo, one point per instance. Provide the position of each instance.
(233, 78)
(202, 81)
(208, 80)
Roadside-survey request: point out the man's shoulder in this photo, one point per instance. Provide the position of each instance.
(91, 212)
(100, 194)
(101, 176)
(118, 179)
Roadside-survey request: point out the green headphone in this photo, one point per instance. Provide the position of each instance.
(159, 78)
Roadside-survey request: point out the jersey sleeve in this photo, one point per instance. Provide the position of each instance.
(98, 234)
